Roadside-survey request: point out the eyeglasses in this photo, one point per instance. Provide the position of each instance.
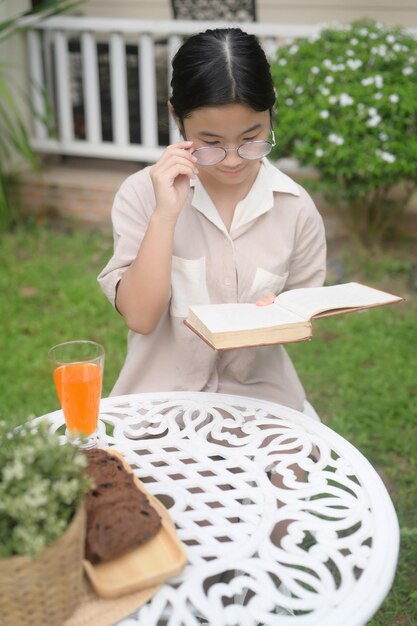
(251, 150)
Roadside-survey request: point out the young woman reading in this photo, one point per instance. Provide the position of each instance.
(212, 221)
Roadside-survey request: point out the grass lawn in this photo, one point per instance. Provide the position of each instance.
(360, 370)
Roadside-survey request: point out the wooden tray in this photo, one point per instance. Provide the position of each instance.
(159, 559)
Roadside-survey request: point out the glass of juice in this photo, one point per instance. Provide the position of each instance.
(77, 368)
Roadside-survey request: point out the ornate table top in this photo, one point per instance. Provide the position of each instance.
(260, 495)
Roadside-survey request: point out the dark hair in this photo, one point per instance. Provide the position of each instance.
(221, 66)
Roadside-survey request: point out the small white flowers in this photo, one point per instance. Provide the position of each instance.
(378, 81)
(319, 153)
(380, 50)
(282, 62)
(333, 67)
(394, 98)
(407, 71)
(315, 69)
(289, 101)
(354, 64)
(345, 100)
(354, 41)
(324, 114)
(336, 139)
(374, 121)
(374, 118)
(391, 39)
(293, 49)
(386, 156)
(329, 80)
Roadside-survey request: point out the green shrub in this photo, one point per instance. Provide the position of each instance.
(347, 106)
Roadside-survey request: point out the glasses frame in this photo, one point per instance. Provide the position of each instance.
(271, 143)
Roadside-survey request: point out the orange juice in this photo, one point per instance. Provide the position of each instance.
(78, 387)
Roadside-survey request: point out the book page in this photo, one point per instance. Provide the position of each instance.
(308, 302)
(222, 318)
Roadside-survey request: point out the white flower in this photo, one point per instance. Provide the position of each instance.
(378, 95)
(396, 47)
(363, 32)
(407, 71)
(337, 139)
(373, 36)
(350, 53)
(315, 69)
(354, 64)
(374, 121)
(394, 98)
(330, 79)
(386, 156)
(333, 99)
(282, 62)
(390, 38)
(379, 82)
(293, 49)
(319, 152)
(354, 41)
(289, 101)
(324, 114)
(383, 136)
(345, 99)
(324, 90)
(299, 90)
(381, 50)
(372, 112)
(367, 81)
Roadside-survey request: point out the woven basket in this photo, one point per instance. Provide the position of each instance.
(44, 591)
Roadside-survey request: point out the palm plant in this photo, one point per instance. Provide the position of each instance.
(14, 139)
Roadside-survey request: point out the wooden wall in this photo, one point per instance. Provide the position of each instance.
(403, 12)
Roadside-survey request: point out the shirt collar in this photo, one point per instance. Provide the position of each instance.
(259, 200)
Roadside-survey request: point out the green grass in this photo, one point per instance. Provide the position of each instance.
(360, 370)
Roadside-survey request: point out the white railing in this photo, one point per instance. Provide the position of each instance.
(107, 82)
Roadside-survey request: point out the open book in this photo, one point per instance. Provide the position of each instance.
(288, 319)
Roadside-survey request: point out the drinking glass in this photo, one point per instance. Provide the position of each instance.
(77, 368)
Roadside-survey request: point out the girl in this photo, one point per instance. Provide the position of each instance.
(212, 221)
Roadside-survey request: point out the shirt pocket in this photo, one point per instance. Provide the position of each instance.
(188, 285)
(265, 282)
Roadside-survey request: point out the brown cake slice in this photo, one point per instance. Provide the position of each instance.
(119, 516)
(104, 467)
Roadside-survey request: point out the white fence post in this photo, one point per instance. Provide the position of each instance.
(118, 78)
(63, 93)
(91, 88)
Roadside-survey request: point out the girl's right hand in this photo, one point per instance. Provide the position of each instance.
(171, 176)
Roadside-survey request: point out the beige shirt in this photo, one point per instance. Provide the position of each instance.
(276, 242)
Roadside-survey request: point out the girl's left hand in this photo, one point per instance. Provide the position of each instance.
(266, 299)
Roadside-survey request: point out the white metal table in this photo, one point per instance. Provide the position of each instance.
(214, 459)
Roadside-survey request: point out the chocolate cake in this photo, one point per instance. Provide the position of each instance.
(119, 516)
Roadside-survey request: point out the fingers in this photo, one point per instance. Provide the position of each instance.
(266, 299)
(176, 160)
